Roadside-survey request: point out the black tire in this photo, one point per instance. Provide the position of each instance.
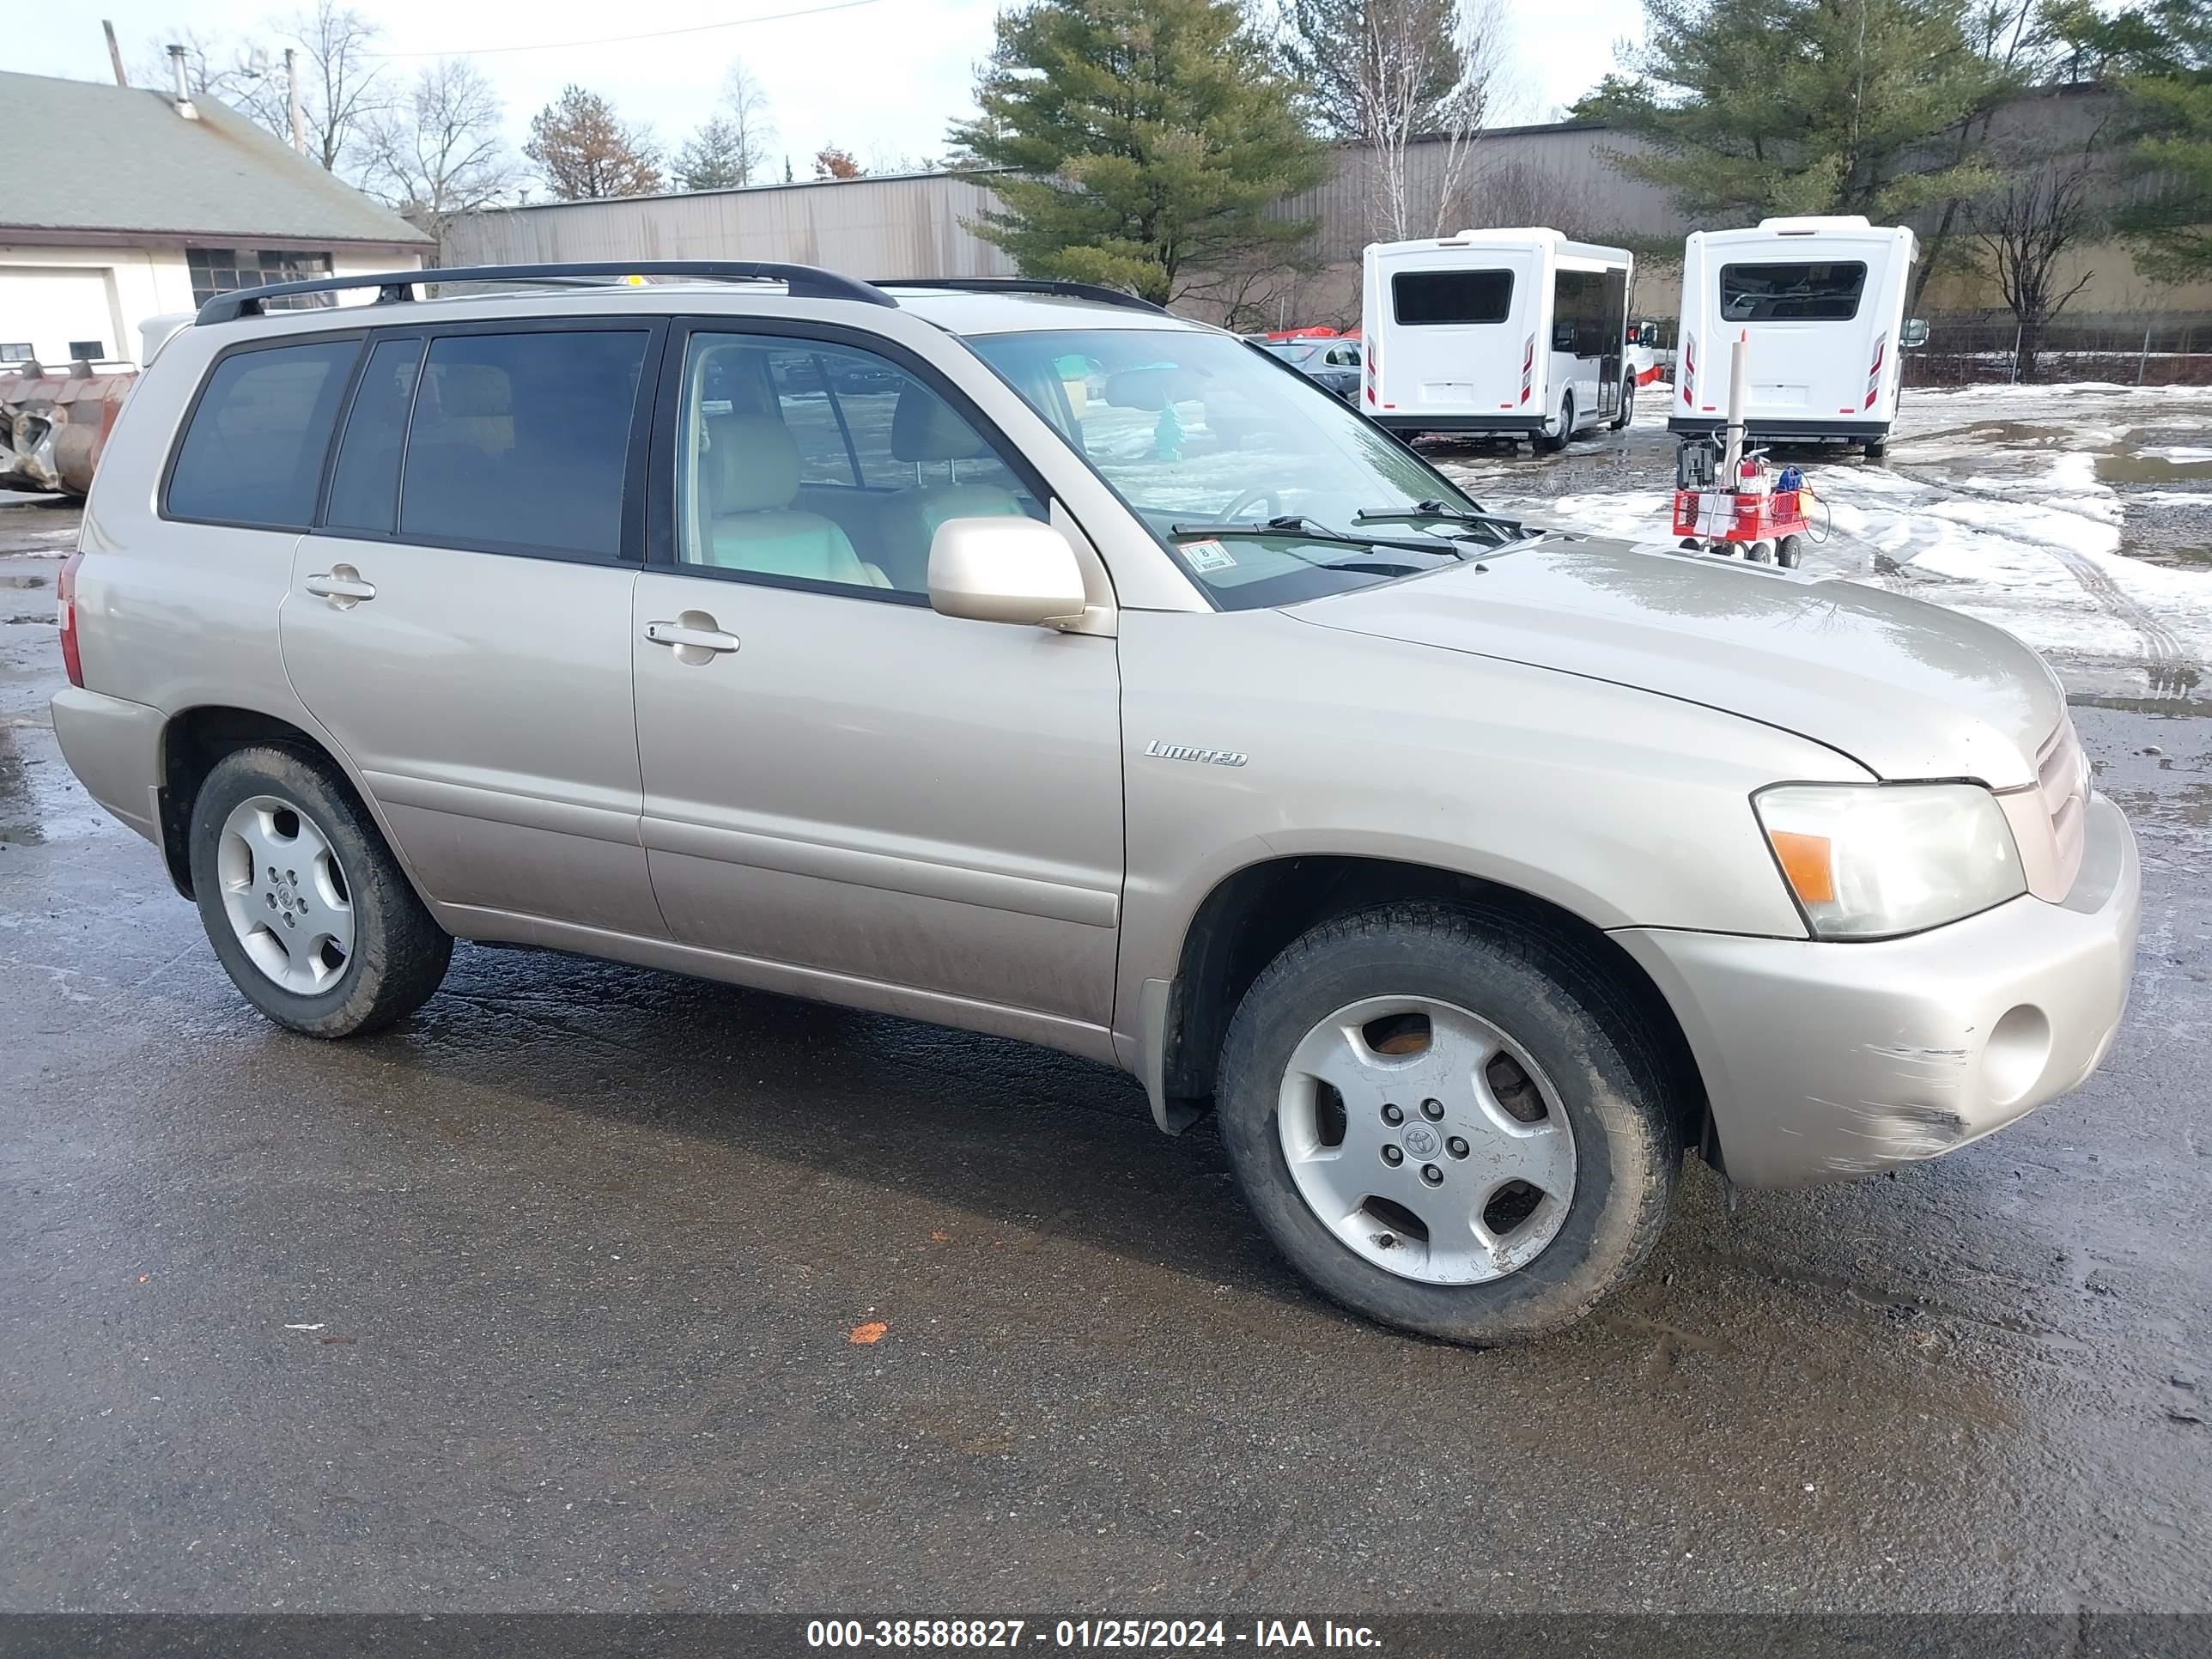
(399, 954)
(1789, 551)
(1627, 403)
(1875, 449)
(1554, 1000)
(1544, 442)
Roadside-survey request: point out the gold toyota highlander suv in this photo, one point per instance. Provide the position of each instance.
(1018, 656)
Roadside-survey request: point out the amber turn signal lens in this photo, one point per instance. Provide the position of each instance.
(1805, 862)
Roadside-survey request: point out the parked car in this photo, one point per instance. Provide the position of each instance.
(1331, 363)
(1468, 874)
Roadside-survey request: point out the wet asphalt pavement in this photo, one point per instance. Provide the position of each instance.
(546, 1301)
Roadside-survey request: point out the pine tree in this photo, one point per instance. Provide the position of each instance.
(1806, 107)
(2163, 57)
(586, 153)
(1151, 138)
(713, 158)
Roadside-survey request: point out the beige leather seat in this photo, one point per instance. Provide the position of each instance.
(924, 430)
(750, 467)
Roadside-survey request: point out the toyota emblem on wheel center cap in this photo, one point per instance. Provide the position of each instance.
(1421, 1141)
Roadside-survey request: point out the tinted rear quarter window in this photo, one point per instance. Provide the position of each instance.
(253, 452)
(1796, 292)
(522, 440)
(365, 486)
(1437, 297)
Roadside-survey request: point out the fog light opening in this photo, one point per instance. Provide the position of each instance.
(2018, 1049)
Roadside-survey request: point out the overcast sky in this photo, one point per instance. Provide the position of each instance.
(880, 77)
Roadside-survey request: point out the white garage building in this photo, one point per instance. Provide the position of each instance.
(122, 204)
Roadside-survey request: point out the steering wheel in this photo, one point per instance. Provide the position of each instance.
(1252, 497)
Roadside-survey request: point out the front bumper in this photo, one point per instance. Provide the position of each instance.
(1826, 1061)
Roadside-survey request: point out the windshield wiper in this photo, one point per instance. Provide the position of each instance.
(1424, 510)
(1371, 567)
(1293, 527)
(1440, 510)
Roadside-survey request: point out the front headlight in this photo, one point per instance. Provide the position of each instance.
(1872, 860)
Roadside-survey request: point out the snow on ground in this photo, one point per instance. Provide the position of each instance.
(2070, 514)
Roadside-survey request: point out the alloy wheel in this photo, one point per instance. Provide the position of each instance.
(1426, 1139)
(285, 895)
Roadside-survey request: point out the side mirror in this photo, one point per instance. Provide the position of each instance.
(1914, 333)
(1010, 569)
(1563, 336)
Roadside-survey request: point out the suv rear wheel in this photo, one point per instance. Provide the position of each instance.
(311, 917)
(1447, 1125)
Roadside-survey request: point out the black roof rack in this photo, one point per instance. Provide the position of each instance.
(397, 287)
(1105, 296)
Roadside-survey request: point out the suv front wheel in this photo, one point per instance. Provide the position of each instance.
(1448, 1124)
(311, 917)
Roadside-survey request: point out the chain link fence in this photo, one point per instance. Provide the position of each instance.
(1982, 352)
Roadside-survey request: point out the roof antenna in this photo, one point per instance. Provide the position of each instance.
(184, 90)
(114, 53)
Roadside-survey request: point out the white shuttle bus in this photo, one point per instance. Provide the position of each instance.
(1821, 304)
(1514, 333)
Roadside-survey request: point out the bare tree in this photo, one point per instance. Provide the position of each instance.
(438, 154)
(1404, 49)
(587, 153)
(2020, 43)
(1257, 291)
(745, 107)
(1516, 192)
(2047, 205)
(730, 147)
(342, 86)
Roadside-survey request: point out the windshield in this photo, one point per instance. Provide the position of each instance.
(1265, 485)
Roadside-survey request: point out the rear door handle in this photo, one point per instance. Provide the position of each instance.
(341, 583)
(687, 636)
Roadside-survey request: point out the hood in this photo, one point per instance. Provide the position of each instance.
(1908, 689)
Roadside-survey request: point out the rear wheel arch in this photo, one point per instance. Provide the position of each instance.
(195, 740)
(1252, 916)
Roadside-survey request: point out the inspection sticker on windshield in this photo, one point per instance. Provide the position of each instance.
(1208, 556)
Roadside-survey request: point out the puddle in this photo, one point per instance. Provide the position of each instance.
(20, 579)
(2156, 466)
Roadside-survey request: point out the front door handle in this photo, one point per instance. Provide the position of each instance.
(692, 633)
(342, 585)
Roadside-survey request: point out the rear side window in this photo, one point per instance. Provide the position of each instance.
(1436, 297)
(522, 440)
(253, 452)
(365, 487)
(1792, 292)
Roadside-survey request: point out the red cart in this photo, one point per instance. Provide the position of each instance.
(1767, 524)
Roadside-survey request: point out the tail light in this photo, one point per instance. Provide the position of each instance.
(65, 590)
